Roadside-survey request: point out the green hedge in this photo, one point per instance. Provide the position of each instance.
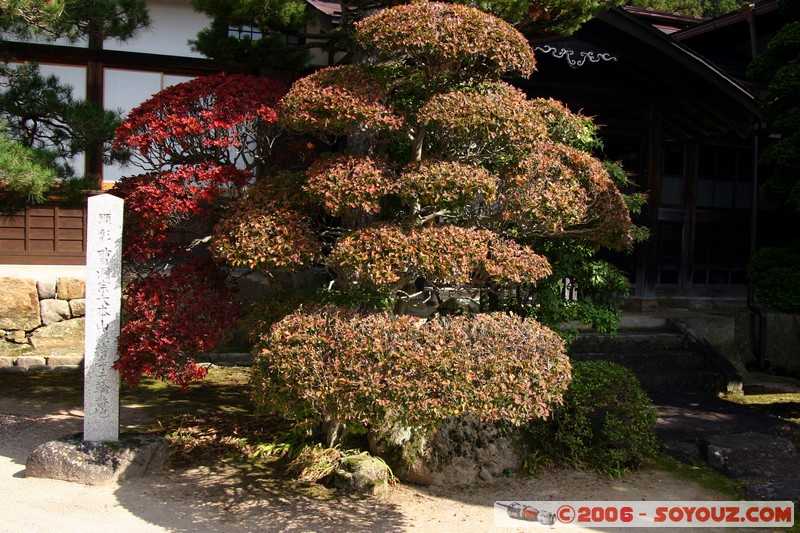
(606, 422)
(776, 277)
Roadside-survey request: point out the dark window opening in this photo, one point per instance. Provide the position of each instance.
(720, 254)
(724, 178)
(670, 240)
(253, 33)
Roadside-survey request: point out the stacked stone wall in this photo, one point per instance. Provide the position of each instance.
(41, 323)
(783, 343)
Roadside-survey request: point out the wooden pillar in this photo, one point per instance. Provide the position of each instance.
(94, 93)
(647, 256)
(690, 164)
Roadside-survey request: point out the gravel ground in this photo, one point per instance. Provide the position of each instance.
(221, 499)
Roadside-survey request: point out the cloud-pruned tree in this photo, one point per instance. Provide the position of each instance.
(427, 173)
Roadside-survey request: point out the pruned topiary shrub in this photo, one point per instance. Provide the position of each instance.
(605, 423)
(348, 370)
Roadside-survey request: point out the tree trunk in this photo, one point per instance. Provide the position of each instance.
(334, 431)
(416, 144)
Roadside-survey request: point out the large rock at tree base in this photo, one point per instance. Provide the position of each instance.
(362, 474)
(458, 305)
(461, 451)
(63, 338)
(19, 304)
(98, 463)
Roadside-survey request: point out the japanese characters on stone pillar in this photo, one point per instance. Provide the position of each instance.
(103, 300)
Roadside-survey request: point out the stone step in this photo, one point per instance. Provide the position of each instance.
(681, 382)
(637, 322)
(652, 361)
(629, 341)
(667, 371)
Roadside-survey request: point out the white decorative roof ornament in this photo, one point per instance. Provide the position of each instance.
(576, 54)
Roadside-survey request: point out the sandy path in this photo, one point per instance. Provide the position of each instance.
(221, 500)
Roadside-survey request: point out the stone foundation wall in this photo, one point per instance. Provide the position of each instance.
(41, 323)
(783, 343)
(734, 334)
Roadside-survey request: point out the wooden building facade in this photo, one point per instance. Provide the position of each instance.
(685, 127)
(117, 75)
(668, 92)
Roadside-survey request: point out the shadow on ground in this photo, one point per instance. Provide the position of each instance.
(217, 497)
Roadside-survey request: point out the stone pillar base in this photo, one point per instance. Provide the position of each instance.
(98, 463)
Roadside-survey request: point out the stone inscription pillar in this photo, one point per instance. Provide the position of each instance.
(103, 301)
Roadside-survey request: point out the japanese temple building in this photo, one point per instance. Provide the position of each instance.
(671, 98)
(669, 93)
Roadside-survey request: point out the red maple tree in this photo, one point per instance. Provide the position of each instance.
(199, 144)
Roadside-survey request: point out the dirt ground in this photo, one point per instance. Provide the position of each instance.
(223, 499)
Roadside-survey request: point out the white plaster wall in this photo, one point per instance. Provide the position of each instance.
(69, 75)
(124, 90)
(43, 271)
(174, 22)
(43, 39)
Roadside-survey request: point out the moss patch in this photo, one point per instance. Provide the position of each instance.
(704, 476)
(785, 405)
(225, 389)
